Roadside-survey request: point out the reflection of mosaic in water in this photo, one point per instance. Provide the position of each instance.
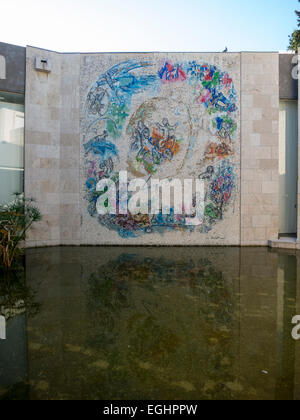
(169, 113)
(156, 323)
(133, 301)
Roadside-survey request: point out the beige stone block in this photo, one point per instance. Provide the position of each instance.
(265, 89)
(69, 209)
(271, 78)
(253, 236)
(268, 164)
(254, 68)
(71, 153)
(48, 126)
(271, 210)
(275, 100)
(275, 127)
(270, 114)
(257, 200)
(252, 114)
(32, 189)
(37, 137)
(248, 151)
(272, 233)
(245, 210)
(69, 186)
(263, 153)
(48, 152)
(275, 152)
(251, 164)
(247, 58)
(245, 187)
(46, 208)
(69, 236)
(53, 198)
(49, 187)
(33, 174)
(69, 139)
(44, 163)
(275, 175)
(248, 79)
(246, 221)
(261, 101)
(246, 101)
(263, 126)
(259, 209)
(255, 139)
(263, 174)
(248, 174)
(247, 127)
(70, 126)
(255, 187)
(67, 164)
(69, 198)
(55, 233)
(262, 221)
(70, 220)
(247, 235)
(37, 112)
(269, 139)
(260, 234)
(270, 187)
(66, 234)
(54, 113)
(65, 114)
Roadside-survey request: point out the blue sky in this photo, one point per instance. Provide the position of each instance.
(154, 25)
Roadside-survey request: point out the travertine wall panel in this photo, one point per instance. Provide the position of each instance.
(259, 147)
(42, 146)
(52, 147)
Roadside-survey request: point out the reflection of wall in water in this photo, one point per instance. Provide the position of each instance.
(13, 353)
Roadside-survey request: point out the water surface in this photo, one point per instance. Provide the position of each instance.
(156, 323)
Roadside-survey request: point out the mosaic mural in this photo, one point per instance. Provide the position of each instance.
(162, 120)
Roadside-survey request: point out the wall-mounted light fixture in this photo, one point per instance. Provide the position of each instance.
(43, 64)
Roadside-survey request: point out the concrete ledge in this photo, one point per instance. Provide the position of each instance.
(284, 243)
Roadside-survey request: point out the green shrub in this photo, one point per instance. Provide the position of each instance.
(15, 220)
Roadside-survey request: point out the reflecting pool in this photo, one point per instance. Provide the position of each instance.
(155, 323)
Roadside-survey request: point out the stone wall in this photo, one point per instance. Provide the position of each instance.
(225, 131)
(259, 150)
(52, 147)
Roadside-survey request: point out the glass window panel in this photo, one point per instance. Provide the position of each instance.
(11, 145)
(11, 181)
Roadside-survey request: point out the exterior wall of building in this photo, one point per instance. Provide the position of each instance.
(69, 109)
(42, 145)
(260, 139)
(288, 86)
(12, 68)
(52, 144)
